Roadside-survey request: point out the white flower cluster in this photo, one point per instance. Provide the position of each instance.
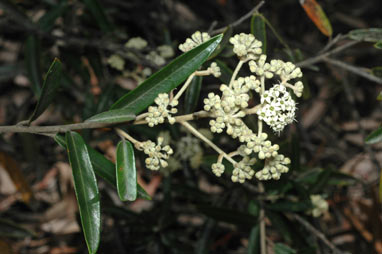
(157, 155)
(188, 148)
(157, 114)
(278, 108)
(196, 39)
(214, 69)
(136, 43)
(246, 46)
(320, 205)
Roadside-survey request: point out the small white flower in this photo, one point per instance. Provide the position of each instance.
(260, 67)
(218, 169)
(136, 43)
(298, 88)
(196, 39)
(165, 51)
(157, 155)
(117, 62)
(214, 69)
(320, 205)
(273, 168)
(155, 58)
(243, 170)
(278, 108)
(246, 46)
(157, 114)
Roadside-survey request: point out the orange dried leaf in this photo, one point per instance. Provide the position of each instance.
(13, 170)
(318, 16)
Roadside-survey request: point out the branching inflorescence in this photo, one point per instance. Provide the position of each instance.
(228, 109)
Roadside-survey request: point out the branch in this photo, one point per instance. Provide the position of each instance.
(318, 234)
(356, 70)
(52, 129)
(240, 20)
(321, 57)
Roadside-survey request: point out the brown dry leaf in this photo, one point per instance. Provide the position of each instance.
(318, 16)
(12, 168)
(96, 90)
(63, 250)
(367, 124)
(5, 247)
(362, 167)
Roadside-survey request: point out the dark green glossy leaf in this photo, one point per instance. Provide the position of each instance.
(367, 34)
(321, 181)
(192, 95)
(378, 45)
(226, 72)
(126, 173)
(227, 34)
(167, 78)
(258, 30)
(374, 137)
(281, 224)
(99, 14)
(289, 206)
(254, 240)
(46, 22)
(379, 97)
(228, 215)
(112, 116)
(103, 167)
(85, 186)
(33, 66)
(49, 88)
(281, 248)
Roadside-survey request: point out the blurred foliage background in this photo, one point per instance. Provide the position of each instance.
(191, 211)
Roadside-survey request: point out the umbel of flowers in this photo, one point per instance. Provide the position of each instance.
(272, 81)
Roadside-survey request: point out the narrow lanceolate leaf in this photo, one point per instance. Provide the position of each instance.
(167, 78)
(46, 22)
(281, 248)
(192, 95)
(367, 34)
(258, 30)
(112, 116)
(318, 16)
(126, 172)
(103, 167)
(374, 137)
(49, 88)
(85, 186)
(254, 240)
(378, 45)
(227, 34)
(32, 62)
(99, 14)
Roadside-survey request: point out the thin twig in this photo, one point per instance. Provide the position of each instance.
(52, 129)
(318, 234)
(240, 20)
(263, 235)
(356, 70)
(319, 58)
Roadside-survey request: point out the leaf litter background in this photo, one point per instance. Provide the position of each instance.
(191, 211)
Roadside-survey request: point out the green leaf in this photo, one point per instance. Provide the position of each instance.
(46, 22)
(226, 36)
(280, 223)
(367, 34)
(99, 14)
(32, 61)
(226, 72)
(103, 167)
(13, 230)
(374, 137)
(258, 30)
(254, 240)
(126, 173)
(281, 248)
(379, 97)
(49, 88)
(378, 45)
(377, 71)
(167, 78)
(85, 186)
(192, 95)
(112, 116)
